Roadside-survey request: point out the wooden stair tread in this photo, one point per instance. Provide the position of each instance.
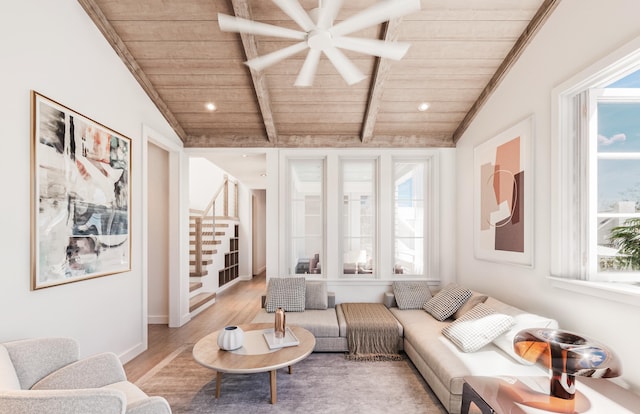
(200, 299)
(196, 274)
(194, 286)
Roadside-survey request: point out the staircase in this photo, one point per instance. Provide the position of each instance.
(206, 234)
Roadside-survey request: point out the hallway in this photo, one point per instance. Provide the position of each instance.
(235, 306)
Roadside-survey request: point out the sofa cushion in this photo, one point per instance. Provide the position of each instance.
(522, 321)
(321, 323)
(8, 378)
(287, 293)
(469, 304)
(447, 361)
(447, 301)
(477, 328)
(411, 294)
(316, 295)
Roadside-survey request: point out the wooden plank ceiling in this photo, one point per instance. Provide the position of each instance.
(460, 49)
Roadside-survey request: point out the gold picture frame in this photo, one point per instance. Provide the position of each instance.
(81, 196)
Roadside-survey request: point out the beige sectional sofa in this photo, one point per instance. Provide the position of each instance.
(441, 362)
(443, 365)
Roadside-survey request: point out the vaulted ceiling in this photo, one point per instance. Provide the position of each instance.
(460, 50)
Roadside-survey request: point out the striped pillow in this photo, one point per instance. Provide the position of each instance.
(446, 302)
(287, 293)
(411, 295)
(477, 328)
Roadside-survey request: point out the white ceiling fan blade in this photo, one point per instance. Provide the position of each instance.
(390, 50)
(347, 69)
(237, 24)
(308, 71)
(269, 59)
(328, 13)
(378, 13)
(294, 10)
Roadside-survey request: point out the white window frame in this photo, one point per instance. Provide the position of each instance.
(570, 195)
(429, 202)
(289, 197)
(376, 193)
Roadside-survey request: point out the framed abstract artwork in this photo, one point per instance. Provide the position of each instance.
(503, 199)
(81, 196)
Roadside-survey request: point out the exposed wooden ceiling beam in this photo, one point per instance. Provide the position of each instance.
(440, 140)
(380, 74)
(121, 49)
(534, 25)
(241, 9)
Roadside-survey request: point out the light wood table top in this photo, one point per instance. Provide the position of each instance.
(254, 356)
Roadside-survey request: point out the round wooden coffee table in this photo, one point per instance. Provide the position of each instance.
(254, 355)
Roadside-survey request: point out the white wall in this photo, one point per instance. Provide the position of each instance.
(158, 235)
(578, 33)
(55, 49)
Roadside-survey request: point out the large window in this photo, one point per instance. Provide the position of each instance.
(306, 216)
(359, 216)
(614, 138)
(409, 216)
(596, 176)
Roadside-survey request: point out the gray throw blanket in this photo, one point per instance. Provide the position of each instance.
(372, 332)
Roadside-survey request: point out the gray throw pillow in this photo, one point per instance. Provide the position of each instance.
(411, 294)
(477, 328)
(447, 301)
(287, 293)
(316, 295)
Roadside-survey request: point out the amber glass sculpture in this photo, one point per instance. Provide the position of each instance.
(566, 355)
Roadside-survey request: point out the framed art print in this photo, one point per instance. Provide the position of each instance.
(503, 199)
(81, 196)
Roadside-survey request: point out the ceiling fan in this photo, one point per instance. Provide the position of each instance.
(321, 35)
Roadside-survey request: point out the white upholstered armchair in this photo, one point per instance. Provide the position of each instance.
(46, 376)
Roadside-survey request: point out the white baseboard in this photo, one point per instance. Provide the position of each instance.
(158, 319)
(262, 269)
(131, 353)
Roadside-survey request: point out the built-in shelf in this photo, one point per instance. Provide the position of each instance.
(231, 261)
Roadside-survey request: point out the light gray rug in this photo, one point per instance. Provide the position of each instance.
(322, 383)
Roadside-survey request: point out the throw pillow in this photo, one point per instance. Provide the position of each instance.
(469, 304)
(522, 321)
(287, 293)
(8, 377)
(477, 328)
(411, 295)
(447, 301)
(316, 295)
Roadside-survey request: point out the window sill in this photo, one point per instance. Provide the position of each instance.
(617, 292)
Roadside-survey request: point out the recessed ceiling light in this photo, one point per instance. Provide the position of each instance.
(210, 106)
(263, 175)
(423, 106)
(245, 155)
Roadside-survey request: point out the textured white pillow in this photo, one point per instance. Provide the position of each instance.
(287, 293)
(411, 295)
(522, 321)
(8, 377)
(477, 328)
(446, 302)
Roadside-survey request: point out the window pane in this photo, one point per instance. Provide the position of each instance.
(358, 216)
(618, 186)
(619, 127)
(619, 244)
(409, 217)
(306, 215)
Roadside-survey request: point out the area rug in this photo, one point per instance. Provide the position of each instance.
(322, 383)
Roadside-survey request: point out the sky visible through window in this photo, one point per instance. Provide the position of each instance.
(619, 132)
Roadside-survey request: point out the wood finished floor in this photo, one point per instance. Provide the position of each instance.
(237, 305)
